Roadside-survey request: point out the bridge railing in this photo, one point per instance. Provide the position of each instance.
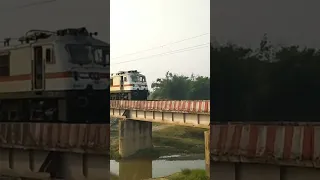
(199, 106)
(92, 138)
(284, 144)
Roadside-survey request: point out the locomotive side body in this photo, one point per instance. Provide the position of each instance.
(61, 76)
(129, 85)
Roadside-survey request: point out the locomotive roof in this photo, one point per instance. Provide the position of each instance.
(70, 36)
(125, 72)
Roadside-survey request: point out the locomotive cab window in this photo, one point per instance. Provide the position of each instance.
(124, 78)
(49, 56)
(4, 64)
(87, 54)
(142, 79)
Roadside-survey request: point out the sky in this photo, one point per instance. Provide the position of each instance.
(51, 16)
(138, 25)
(135, 26)
(286, 21)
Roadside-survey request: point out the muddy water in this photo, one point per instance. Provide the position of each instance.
(143, 169)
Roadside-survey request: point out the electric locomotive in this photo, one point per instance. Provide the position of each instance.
(128, 85)
(58, 75)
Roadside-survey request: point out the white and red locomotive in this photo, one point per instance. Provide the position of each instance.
(58, 75)
(128, 85)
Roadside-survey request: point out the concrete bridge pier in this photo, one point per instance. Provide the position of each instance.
(134, 136)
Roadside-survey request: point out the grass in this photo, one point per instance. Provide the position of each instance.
(114, 177)
(147, 154)
(171, 140)
(187, 174)
(179, 140)
(114, 146)
(157, 124)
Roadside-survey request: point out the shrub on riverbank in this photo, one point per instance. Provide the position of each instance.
(187, 174)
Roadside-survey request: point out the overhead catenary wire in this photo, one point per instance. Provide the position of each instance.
(27, 5)
(36, 3)
(161, 46)
(200, 46)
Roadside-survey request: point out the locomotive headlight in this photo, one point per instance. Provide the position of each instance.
(95, 76)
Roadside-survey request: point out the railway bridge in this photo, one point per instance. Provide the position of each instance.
(54, 151)
(136, 118)
(264, 151)
(81, 151)
(135, 132)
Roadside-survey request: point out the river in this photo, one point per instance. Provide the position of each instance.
(144, 169)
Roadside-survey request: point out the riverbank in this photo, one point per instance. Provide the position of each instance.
(168, 140)
(113, 176)
(186, 174)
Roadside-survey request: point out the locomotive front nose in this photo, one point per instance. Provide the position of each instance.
(89, 88)
(95, 76)
(82, 102)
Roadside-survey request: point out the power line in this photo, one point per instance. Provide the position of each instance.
(167, 53)
(32, 4)
(175, 42)
(36, 3)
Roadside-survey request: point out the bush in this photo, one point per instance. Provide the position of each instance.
(187, 174)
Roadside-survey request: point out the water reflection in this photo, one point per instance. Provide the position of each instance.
(138, 169)
(135, 169)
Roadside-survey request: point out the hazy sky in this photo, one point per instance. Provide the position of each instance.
(285, 21)
(59, 14)
(136, 25)
(142, 24)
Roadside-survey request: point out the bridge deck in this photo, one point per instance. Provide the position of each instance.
(187, 113)
(285, 144)
(90, 138)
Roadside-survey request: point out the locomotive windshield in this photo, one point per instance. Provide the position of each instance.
(84, 54)
(138, 78)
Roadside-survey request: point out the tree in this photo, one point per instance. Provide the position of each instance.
(266, 83)
(180, 87)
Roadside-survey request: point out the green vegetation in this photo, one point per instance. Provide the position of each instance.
(180, 87)
(146, 154)
(187, 174)
(170, 140)
(114, 177)
(179, 140)
(114, 145)
(270, 83)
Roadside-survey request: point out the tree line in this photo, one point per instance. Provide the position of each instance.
(180, 87)
(265, 84)
(268, 83)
